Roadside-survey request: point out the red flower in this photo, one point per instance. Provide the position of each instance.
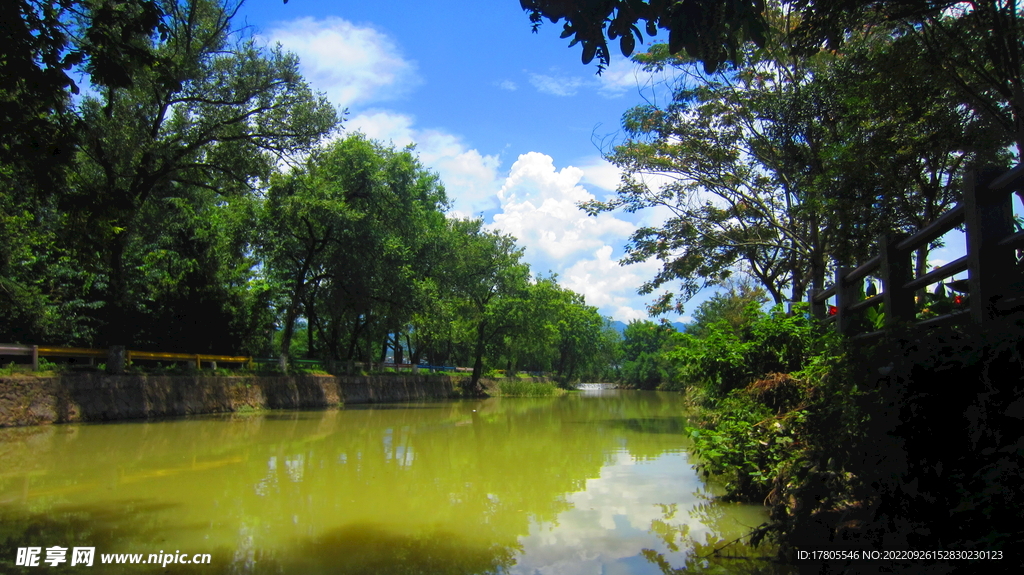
(958, 299)
(832, 310)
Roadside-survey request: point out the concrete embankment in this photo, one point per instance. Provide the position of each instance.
(30, 400)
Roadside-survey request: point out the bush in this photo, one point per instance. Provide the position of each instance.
(729, 357)
(528, 389)
(746, 444)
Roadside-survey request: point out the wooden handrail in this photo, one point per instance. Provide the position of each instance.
(952, 268)
(1012, 179)
(991, 242)
(72, 352)
(865, 304)
(863, 270)
(823, 296)
(934, 230)
(155, 355)
(1016, 239)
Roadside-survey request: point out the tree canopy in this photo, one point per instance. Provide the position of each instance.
(786, 165)
(199, 204)
(978, 44)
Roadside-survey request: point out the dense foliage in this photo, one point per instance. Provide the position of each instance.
(201, 200)
(790, 166)
(781, 162)
(193, 199)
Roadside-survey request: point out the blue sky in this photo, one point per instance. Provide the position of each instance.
(512, 121)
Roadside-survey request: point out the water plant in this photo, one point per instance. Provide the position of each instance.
(516, 388)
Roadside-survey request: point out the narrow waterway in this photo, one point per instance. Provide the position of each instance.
(590, 483)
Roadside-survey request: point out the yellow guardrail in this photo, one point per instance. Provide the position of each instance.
(72, 352)
(199, 358)
(35, 351)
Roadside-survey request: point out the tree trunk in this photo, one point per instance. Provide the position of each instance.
(478, 362)
(384, 348)
(286, 337)
(399, 351)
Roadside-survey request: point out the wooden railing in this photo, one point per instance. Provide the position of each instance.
(115, 355)
(987, 213)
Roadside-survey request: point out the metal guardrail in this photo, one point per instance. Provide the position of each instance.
(15, 349)
(37, 351)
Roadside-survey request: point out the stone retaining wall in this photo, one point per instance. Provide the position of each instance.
(29, 400)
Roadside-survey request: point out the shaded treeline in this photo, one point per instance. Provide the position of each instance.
(199, 197)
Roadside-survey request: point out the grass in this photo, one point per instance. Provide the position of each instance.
(528, 389)
(46, 369)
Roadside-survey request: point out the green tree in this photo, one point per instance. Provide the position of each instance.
(42, 44)
(787, 166)
(491, 282)
(643, 342)
(380, 273)
(300, 226)
(352, 241)
(215, 117)
(729, 307)
(580, 337)
(710, 30)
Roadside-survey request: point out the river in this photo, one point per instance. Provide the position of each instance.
(598, 482)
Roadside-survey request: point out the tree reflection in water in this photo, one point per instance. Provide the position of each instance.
(468, 487)
(722, 550)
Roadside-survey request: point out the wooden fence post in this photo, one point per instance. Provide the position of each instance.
(897, 270)
(989, 218)
(845, 295)
(35, 358)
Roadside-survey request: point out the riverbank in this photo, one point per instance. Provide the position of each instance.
(79, 397)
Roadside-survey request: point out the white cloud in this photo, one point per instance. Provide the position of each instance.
(622, 76)
(601, 173)
(613, 518)
(508, 85)
(539, 207)
(352, 64)
(538, 203)
(385, 126)
(557, 86)
(470, 178)
(609, 286)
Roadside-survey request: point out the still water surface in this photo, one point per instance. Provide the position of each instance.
(598, 482)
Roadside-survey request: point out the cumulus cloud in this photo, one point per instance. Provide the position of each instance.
(612, 518)
(539, 207)
(471, 179)
(621, 77)
(601, 173)
(609, 286)
(352, 64)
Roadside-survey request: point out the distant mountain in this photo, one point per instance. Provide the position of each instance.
(621, 326)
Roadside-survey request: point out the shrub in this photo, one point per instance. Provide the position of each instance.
(515, 388)
(728, 357)
(746, 444)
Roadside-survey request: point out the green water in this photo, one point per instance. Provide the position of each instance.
(587, 483)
